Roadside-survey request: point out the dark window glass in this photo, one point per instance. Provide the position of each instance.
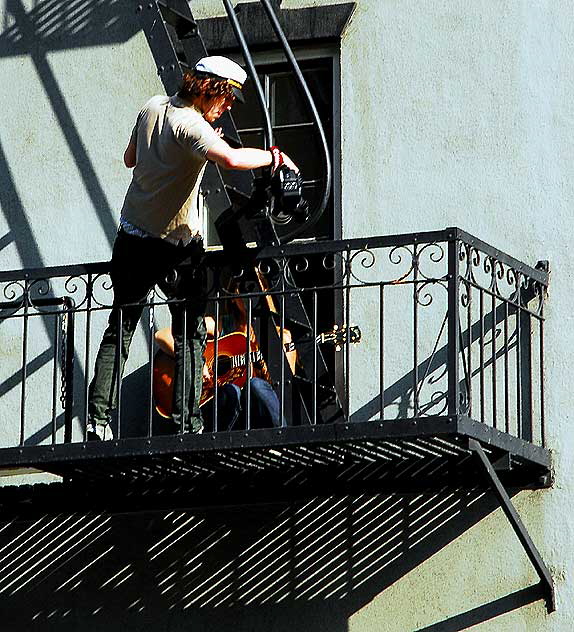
(249, 113)
(293, 127)
(287, 105)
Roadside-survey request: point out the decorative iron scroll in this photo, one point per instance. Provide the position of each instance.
(485, 272)
(30, 298)
(393, 265)
(416, 265)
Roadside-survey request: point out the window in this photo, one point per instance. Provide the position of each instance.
(315, 34)
(294, 129)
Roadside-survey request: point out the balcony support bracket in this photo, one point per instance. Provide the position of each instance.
(546, 582)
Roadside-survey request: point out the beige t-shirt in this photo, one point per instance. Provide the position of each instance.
(172, 140)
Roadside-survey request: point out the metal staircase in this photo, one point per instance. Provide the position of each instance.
(238, 212)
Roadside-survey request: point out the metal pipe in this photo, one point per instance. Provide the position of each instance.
(453, 317)
(416, 333)
(151, 365)
(305, 89)
(541, 350)
(248, 363)
(314, 373)
(382, 350)
(69, 369)
(282, 358)
(481, 356)
(493, 357)
(87, 360)
(469, 350)
(252, 72)
(55, 375)
(215, 363)
(24, 372)
(184, 401)
(347, 356)
(119, 350)
(506, 372)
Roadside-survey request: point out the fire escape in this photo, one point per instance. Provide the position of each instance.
(420, 357)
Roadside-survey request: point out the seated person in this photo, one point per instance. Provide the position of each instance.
(232, 388)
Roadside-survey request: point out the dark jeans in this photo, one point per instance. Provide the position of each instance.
(138, 264)
(232, 407)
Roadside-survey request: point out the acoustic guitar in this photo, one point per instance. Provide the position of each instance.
(231, 364)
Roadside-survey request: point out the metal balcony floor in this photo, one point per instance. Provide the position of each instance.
(272, 465)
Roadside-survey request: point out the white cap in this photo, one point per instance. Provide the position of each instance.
(223, 68)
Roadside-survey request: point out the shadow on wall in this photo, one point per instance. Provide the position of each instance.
(53, 25)
(304, 567)
(48, 26)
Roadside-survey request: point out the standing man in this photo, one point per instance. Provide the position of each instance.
(161, 225)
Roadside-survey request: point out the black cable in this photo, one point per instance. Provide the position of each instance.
(314, 218)
(267, 129)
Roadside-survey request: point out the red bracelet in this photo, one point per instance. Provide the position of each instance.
(276, 157)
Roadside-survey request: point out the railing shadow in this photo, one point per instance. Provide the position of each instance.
(53, 25)
(305, 566)
(48, 26)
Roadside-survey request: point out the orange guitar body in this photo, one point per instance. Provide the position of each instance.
(231, 369)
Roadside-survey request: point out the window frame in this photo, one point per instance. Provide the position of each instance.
(271, 57)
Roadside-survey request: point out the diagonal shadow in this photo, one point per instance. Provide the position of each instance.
(31, 367)
(66, 24)
(486, 612)
(305, 566)
(6, 240)
(28, 32)
(19, 227)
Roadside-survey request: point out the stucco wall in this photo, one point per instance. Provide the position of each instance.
(73, 77)
(465, 118)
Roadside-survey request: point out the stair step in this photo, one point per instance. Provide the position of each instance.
(184, 26)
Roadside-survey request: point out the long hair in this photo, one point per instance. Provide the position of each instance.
(194, 86)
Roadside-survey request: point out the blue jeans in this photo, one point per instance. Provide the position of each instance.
(232, 407)
(139, 263)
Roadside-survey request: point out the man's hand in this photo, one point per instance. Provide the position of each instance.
(289, 163)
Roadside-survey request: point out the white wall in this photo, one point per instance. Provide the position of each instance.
(461, 114)
(73, 77)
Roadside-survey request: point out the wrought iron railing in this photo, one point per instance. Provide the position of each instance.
(435, 324)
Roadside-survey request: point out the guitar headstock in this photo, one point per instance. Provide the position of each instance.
(340, 335)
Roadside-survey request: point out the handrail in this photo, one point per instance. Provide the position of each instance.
(308, 248)
(314, 218)
(267, 129)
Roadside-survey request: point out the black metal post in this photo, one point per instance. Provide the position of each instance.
(453, 350)
(151, 328)
(55, 375)
(118, 367)
(69, 370)
(524, 323)
(248, 367)
(517, 524)
(24, 370)
(382, 350)
(87, 361)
